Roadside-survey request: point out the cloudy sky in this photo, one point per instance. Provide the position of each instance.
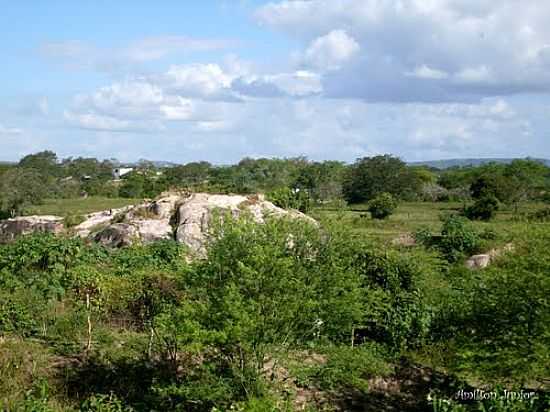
(222, 79)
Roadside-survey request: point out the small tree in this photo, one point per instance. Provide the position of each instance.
(382, 206)
(483, 208)
(20, 188)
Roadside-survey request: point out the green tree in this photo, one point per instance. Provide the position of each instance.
(382, 206)
(20, 188)
(45, 162)
(370, 176)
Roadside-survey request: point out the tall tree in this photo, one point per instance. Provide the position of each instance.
(370, 176)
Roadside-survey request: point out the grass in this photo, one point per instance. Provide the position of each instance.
(79, 206)
(411, 216)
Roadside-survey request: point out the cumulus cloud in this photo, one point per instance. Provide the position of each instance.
(426, 51)
(330, 51)
(204, 81)
(197, 93)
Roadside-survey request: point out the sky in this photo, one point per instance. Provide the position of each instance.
(220, 80)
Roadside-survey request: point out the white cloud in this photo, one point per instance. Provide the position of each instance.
(299, 83)
(426, 72)
(330, 51)
(481, 74)
(474, 48)
(207, 81)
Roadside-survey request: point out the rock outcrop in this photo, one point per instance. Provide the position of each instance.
(12, 228)
(185, 218)
(117, 235)
(195, 213)
(481, 261)
(96, 220)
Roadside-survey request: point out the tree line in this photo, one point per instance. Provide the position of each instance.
(290, 182)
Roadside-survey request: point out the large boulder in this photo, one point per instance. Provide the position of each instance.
(12, 228)
(195, 213)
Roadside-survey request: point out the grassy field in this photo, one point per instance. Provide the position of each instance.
(79, 206)
(411, 216)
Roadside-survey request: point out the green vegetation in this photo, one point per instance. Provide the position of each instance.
(78, 206)
(382, 206)
(372, 309)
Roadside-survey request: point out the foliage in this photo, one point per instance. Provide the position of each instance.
(290, 199)
(20, 188)
(541, 215)
(483, 208)
(369, 177)
(71, 220)
(348, 368)
(457, 238)
(382, 206)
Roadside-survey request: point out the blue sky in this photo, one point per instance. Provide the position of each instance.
(329, 79)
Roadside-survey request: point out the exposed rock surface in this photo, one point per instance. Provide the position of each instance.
(98, 219)
(183, 217)
(483, 260)
(151, 230)
(12, 228)
(195, 213)
(117, 235)
(478, 261)
(164, 208)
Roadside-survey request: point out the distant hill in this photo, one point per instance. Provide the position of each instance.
(447, 163)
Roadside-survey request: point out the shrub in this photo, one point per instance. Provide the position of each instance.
(290, 199)
(483, 208)
(382, 206)
(72, 220)
(349, 368)
(541, 215)
(457, 238)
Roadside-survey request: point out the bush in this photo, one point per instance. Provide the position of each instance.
(457, 238)
(483, 208)
(382, 206)
(541, 215)
(290, 199)
(72, 220)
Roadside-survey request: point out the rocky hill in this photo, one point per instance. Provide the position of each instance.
(183, 217)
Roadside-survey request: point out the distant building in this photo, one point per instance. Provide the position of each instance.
(118, 172)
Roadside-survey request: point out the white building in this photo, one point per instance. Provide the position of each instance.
(121, 171)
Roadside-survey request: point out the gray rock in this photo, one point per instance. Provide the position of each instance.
(195, 214)
(152, 230)
(13, 228)
(117, 235)
(478, 261)
(97, 219)
(483, 260)
(165, 207)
